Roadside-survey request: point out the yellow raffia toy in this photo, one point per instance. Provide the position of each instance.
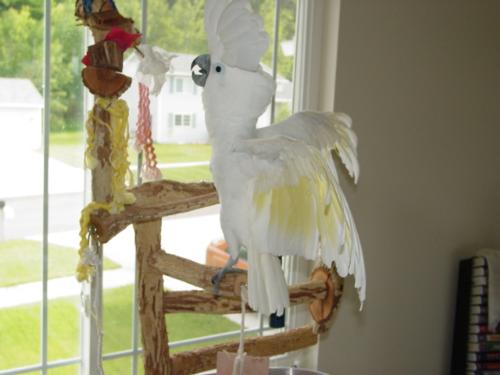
(118, 130)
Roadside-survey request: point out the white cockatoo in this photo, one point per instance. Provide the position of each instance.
(278, 187)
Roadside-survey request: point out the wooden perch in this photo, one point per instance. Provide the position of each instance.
(200, 301)
(154, 200)
(205, 359)
(197, 274)
(322, 309)
(153, 326)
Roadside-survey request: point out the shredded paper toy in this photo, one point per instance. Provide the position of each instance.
(151, 75)
(118, 127)
(278, 186)
(103, 62)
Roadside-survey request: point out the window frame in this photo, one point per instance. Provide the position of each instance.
(309, 92)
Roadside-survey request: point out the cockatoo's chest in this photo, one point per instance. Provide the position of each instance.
(226, 164)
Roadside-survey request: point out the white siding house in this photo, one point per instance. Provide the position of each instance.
(21, 107)
(177, 113)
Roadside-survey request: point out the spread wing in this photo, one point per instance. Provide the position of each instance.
(299, 207)
(235, 34)
(322, 130)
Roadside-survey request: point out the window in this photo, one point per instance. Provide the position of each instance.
(43, 251)
(182, 120)
(178, 120)
(179, 84)
(42, 190)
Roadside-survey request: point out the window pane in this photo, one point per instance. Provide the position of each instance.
(66, 183)
(117, 315)
(285, 54)
(178, 120)
(285, 62)
(177, 26)
(118, 366)
(119, 292)
(179, 84)
(21, 187)
(19, 336)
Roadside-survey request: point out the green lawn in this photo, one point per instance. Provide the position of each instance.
(21, 262)
(68, 147)
(174, 153)
(199, 173)
(166, 153)
(67, 138)
(19, 327)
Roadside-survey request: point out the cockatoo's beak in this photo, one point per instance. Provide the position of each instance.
(200, 68)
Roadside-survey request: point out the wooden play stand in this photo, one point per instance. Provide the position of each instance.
(155, 200)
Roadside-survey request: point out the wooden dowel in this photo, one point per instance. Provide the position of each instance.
(205, 359)
(197, 274)
(155, 200)
(154, 330)
(199, 301)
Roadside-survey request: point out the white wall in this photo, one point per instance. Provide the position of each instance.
(187, 102)
(421, 80)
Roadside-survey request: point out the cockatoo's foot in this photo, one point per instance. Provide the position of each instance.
(219, 275)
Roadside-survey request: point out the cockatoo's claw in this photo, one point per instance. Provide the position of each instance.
(219, 276)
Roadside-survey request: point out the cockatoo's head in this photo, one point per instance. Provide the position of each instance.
(233, 81)
(231, 90)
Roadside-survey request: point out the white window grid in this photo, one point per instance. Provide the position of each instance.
(183, 119)
(177, 120)
(179, 85)
(302, 73)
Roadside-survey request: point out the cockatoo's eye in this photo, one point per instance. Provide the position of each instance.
(200, 68)
(219, 68)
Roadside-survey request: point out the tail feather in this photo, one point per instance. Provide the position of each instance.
(267, 289)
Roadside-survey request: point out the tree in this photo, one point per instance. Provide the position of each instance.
(21, 55)
(66, 53)
(21, 47)
(175, 25)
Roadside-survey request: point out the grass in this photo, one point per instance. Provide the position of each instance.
(181, 153)
(19, 331)
(68, 148)
(166, 153)
(70, 138)
(199, 173)
(21, 261)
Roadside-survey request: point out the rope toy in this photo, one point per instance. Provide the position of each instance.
(143, 136)
(239, 361)
(118, 132)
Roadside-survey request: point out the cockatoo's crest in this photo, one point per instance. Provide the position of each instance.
(235, 33)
